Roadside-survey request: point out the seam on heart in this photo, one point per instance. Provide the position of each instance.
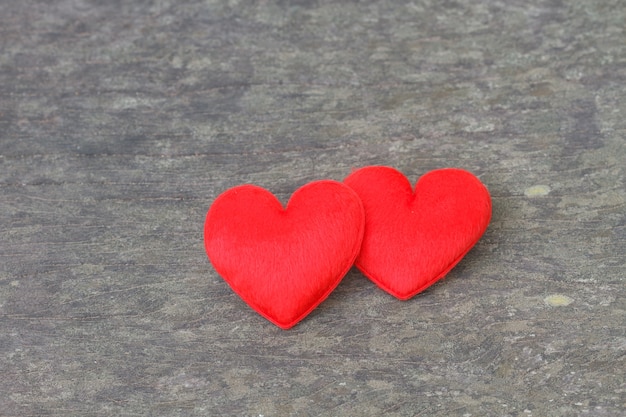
(380, 283)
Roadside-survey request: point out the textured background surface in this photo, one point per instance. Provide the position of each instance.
(120, 122)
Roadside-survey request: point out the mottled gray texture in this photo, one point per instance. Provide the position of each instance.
(120, 122)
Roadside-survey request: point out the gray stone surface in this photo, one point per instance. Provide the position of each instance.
(120, 122)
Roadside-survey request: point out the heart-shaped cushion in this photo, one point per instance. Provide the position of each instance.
(413, 238)
(283, 262)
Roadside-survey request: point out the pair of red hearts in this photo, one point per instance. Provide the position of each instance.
(284, 262)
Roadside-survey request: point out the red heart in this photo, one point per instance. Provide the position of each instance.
(284, 262)
(413, 238)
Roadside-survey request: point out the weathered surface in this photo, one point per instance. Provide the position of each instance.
(120, 123)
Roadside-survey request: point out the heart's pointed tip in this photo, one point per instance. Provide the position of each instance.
(284, 326)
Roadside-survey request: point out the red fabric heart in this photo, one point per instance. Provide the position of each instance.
(283, 262)
(413, 238)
